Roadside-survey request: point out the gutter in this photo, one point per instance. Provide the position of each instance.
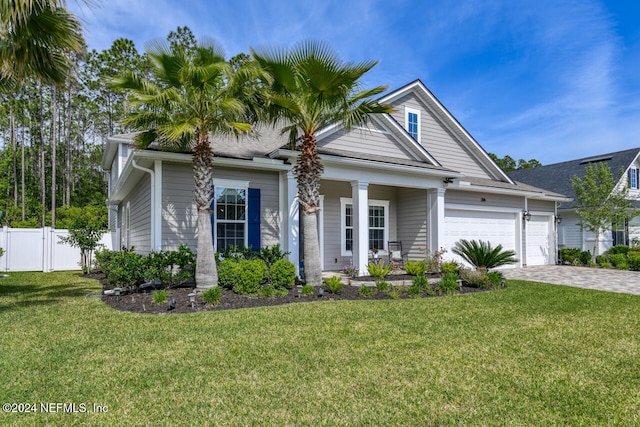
(153, 189)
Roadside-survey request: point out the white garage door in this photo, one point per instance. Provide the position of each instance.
(538, 239)
(498, 228)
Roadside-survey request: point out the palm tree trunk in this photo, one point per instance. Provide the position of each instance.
(307, 171)
(206, 269)
(312, 267)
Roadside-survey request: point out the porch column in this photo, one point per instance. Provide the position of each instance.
(291, 228)
(360, 196)
(435, 213)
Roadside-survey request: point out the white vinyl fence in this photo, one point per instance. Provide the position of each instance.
(40, 249)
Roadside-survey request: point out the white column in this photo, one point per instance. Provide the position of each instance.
(292, 225)
(435, 211)
(360, 196)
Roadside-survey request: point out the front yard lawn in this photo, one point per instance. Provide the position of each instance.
(532, 354)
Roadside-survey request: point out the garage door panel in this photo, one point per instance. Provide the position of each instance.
(498, 228)
(538, 240)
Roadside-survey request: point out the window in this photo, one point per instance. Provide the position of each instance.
(412, 123)
(633, 179)
(230, 207)
(378, 225)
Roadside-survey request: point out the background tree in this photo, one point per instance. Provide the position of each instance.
(192, 94)
(508, 164)
(599, 203)
(310, 89)
(35, 40)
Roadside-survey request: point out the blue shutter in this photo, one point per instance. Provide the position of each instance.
(253, 219)
(213, 215)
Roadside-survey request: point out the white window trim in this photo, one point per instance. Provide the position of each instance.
(239, 185)
(408, 110)
(344, 201)
(633, 176)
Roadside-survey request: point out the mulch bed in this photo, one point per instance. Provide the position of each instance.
(141, 302)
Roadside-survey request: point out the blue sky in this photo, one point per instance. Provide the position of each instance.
(552, 80)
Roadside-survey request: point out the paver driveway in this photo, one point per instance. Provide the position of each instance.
(603, 279)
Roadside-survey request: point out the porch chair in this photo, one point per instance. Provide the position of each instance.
(395, 253)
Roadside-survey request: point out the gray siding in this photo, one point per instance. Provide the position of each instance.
(140, 233)
(412, 221)
(438, 141)
(541, 205)
(179, 216)
(377, 141)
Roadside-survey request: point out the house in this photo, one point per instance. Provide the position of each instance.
(415, 176)
(557, 177)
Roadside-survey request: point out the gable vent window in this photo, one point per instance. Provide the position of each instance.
(412, 123)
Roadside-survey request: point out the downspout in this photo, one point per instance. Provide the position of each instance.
(152, 174)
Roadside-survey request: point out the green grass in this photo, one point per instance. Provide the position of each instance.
(533, 354)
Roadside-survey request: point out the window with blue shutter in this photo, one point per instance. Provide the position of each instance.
(235, 217)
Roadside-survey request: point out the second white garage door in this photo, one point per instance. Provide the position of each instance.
(499, 228)
(538, 240)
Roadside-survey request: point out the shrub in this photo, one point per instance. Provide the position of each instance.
(395, 292)
(270, 255)
(334, 284)
(414, 290)
(271, 291)
(448, 284)
(159, 297)
(86, 227)
(228, 273)
(381, 270)
(475, 279)
(585, 257)
(606, 264)
(618, 259)
(415, 268)
(366, 291)
(251, 273)
(104, 260)
(126, 268)
(212, 295)
(421, 282)
(382, 286)
(619, 249)
(171, 268)
(634, 261)
(283, 274)
(569, 255)
(495, 278)
(482, 255)
(450, 267)
(307, 290)
(600, 259)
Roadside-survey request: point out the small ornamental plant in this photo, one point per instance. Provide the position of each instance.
(212, 295)
(334, 284)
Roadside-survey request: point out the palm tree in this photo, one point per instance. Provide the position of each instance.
(312, 88)
(482, 255)
(192, 93)
(35, 40)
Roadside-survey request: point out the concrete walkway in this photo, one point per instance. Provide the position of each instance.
(627, 282)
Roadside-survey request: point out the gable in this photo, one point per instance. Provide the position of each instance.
(374, 139)
(437, 139)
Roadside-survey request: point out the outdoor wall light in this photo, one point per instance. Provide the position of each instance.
(558, 219)
(526, 215)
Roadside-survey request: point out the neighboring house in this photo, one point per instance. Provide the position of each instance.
(557, 177)
(415, 176)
